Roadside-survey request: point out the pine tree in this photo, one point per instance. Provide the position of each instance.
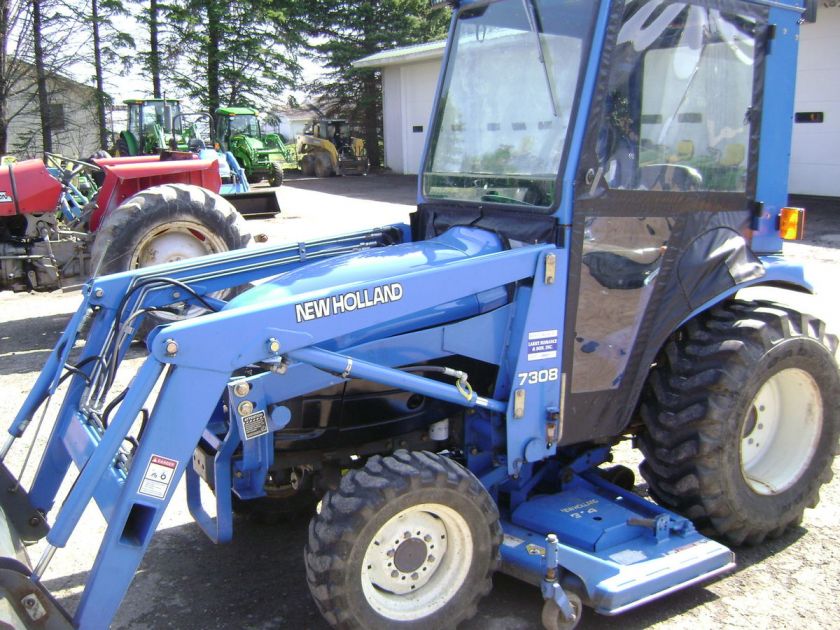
(241, 52)
(352, 30)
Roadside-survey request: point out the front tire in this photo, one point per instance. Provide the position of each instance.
(275, 177)
(410, 539)
(742, 415)
(165, 224)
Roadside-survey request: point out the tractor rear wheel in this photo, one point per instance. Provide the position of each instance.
(275, 177)
(411, 539)
(122, 147)
(742, 415)
(166, 224)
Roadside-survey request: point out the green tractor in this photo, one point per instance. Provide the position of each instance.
(262, 156)
(154, 124)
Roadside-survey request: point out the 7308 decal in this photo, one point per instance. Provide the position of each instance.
(538, 376)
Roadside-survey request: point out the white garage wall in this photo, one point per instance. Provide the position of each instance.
(815, 160)
(407, 95)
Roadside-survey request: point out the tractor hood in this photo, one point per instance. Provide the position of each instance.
(329, 284)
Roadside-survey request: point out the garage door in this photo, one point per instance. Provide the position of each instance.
(419, 81)
(815, 158)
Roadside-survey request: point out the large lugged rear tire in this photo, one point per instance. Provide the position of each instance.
(742, 415)
(410, 539)
(165, 224)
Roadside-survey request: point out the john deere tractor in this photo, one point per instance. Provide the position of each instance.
(327, 148)
(153, 124)
(262, 156)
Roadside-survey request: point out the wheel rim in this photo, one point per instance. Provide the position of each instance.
(781, 431)
(417, 562)
(176, 241)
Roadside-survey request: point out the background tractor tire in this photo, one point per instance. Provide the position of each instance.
(411, 540)
(307, 166)
(275, 177)
(122, 147)
(165, 224)
(742, 415)
(322, 166)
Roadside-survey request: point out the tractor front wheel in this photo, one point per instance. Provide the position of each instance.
(411, 539)
(322, 165)
(742, 415)
(165, 224)
(275, 177)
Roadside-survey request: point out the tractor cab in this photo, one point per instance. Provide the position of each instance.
(151, 122)
(236, 121)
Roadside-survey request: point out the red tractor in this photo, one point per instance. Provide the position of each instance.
(66, 221)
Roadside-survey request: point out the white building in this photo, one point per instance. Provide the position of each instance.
(72, 113)
(409, 80)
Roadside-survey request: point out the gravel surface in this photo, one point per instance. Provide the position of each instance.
(258, 581)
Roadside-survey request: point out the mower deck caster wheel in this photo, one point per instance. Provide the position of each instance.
(553, 617)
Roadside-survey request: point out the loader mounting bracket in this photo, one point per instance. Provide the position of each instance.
(28, 522)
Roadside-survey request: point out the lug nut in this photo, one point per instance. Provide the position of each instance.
(431, 558)
(427, 538)
(395, 574)
(414, 576)
(245, 407)
(390, 553)
(171, 347)
(241, 389)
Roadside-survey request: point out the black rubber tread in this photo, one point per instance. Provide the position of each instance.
(322, 164)
(307, 167)
(123, 228)
(694, 404)
(122, 147)
(275, 176)
(367, 498)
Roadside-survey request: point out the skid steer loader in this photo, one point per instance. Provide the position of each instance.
(449, 392)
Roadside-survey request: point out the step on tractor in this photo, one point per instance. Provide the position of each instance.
(261, 155)
(445, 396)
(66, 220)
(154, 124)
(326, 147)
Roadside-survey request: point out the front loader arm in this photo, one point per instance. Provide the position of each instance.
(132, 486)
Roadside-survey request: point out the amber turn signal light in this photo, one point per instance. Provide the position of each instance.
(792, 223)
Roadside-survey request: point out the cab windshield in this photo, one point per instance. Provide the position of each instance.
(510, 86)
(244, 125)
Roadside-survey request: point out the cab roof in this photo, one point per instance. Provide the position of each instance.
(236, 111)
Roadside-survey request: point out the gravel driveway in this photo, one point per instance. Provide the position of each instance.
(258, 580)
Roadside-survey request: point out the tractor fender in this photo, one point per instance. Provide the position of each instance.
(130, 141)
(778, 272)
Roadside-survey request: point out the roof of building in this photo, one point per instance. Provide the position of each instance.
(402, 55)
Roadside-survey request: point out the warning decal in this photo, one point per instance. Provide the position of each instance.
(254, 425)
(159, 474)
(542, 344)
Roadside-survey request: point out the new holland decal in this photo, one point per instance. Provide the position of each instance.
(348, 302)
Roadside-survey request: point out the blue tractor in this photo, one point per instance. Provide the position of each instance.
(602, 178)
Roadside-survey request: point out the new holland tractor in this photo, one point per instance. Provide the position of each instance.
(326, 147)
(449, 392)
(262, 156)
